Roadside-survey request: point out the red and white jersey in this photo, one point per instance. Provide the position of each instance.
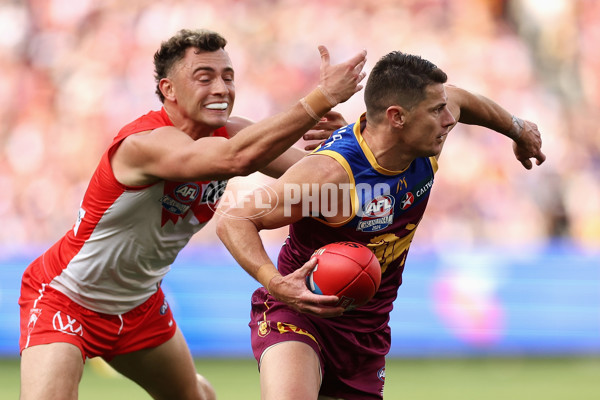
(125, 238)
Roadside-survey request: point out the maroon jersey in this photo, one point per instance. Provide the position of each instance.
(387, 207)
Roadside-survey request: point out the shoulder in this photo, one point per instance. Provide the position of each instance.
(236, 124)
(317, 168)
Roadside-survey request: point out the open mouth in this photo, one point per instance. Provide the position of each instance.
(217, 106)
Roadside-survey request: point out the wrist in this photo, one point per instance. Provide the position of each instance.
(516, 128)
(265, 273)
(318, 102)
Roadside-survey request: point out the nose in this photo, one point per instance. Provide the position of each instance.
(219, 86)
(448, 119)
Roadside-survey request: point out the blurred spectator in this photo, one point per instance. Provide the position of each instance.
(74, 72)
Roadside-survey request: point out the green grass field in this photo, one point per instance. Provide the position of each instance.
(410, 379)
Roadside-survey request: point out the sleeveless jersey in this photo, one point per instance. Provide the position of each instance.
(387, 207)
(125, 238)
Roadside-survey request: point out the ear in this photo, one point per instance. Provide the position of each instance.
(166, 87)
(396, 116)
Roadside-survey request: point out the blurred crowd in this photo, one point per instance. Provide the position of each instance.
(74, 72)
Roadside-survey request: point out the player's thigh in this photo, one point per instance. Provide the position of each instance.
(166, 371)
(290, 371)
(51, 371)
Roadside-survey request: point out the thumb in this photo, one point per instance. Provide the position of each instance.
(324, 55)
(308, 266)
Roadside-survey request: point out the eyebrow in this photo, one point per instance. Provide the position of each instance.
(210, 69)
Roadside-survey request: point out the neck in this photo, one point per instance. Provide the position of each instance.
(386, 148)
(193, 129)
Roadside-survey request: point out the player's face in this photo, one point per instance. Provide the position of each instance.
(204, 87)
(430, 122)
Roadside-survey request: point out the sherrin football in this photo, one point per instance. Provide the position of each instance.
(348, 270)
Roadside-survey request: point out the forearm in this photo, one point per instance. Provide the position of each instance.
(261, 143)
(479, 110)
(241, 238)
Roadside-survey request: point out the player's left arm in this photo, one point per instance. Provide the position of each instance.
(319, 133)
(474, 109)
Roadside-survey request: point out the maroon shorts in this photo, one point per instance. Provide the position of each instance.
(352, 363)
(48, 316)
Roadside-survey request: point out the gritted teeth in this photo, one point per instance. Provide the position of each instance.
(217, 106)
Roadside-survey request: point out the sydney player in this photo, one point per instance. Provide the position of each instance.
(97, 292)
(383, 166)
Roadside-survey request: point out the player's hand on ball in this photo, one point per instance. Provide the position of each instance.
(332, 121)
(529, 145)
(292, 290)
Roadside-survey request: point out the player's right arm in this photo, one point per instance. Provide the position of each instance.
(474, 109)
(288, 200)
(169, 153)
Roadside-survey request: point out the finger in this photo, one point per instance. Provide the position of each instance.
(527, 163)
(360, 66)
(359, 59)
(324, 55)
(308, 266)
(540, 158)
(312, 146)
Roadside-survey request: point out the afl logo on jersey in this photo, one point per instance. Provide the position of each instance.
(180, 199)
(377, 214)
(187, 192)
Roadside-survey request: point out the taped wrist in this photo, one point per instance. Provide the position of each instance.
(318, 102)
(265, 273)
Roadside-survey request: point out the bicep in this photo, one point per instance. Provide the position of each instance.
(299, 193)
(169, 154)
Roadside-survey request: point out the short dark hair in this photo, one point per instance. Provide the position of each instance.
(399, 79)
(174, 50)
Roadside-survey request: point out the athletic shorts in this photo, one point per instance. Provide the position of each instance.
(352, 364)
(49, 316)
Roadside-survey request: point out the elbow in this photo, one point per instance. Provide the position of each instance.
(243, 164)
(221, 226)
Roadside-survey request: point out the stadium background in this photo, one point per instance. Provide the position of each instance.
(506, 261)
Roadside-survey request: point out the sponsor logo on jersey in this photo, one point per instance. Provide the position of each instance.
(421, 190)
(377, 214)
(407, 200)
(66, 324)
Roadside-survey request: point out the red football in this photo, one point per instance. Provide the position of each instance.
(348, 270)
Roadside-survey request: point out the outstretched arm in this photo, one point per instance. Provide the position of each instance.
(169, 153)
(472, 109)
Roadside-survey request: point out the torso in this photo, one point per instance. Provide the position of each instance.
(387, 208)
(126, 238)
